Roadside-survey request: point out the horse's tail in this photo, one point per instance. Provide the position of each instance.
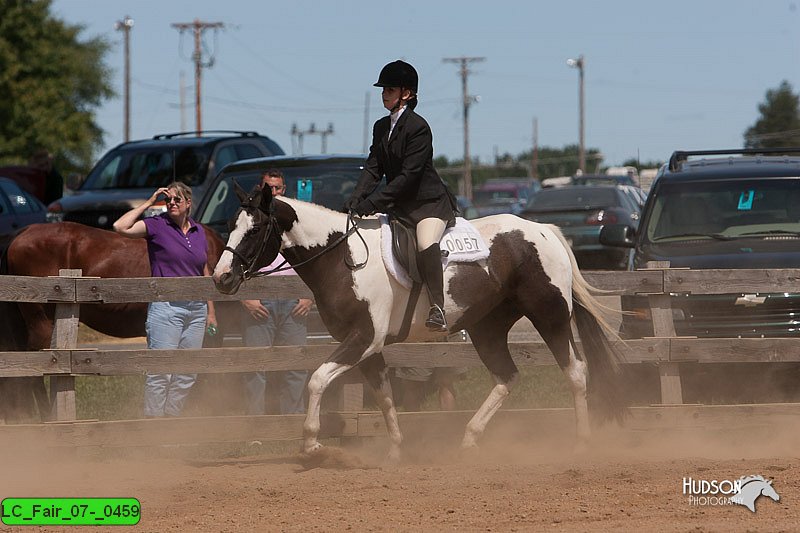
(602, 357)
(584, 294)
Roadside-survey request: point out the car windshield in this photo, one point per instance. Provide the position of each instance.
(725, 209)
(149, 168)
(574, 198)
(326, 184)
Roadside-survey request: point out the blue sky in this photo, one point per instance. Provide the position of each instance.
(660, 76)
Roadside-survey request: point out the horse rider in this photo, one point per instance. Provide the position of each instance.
(402, 150)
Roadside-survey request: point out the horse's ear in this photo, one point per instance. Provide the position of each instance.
(266, 199)
(240, 193)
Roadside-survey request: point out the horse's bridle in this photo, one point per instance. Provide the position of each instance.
(272, 225)
(247, 266)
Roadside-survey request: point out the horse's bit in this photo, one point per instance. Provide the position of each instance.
(247, 273)
(247, 266)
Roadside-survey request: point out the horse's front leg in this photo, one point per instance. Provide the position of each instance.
(319, 381)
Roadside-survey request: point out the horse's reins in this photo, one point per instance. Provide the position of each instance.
(349, 230)
(247, 266)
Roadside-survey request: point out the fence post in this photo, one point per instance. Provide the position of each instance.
(663, 326)
(351, 397)
(65, 337)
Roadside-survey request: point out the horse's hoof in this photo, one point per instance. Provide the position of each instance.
(329, 458)
(393, 457)
(468, 452)
(313, 449)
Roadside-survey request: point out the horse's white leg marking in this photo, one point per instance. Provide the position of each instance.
(577, 374)
(319, 381)
(493, 402)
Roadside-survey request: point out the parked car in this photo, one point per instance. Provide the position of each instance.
(726, 209)
(581, 211)
(466, 207)
(28, 178)
(604, 179)
(326, 180)
(504, 195)
(128, 174)
(18, 208)
(740, 210)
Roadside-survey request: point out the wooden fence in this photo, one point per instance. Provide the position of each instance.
(65, 360)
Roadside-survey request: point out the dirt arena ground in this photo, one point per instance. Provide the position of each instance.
(625, 483)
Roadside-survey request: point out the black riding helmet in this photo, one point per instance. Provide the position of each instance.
(398, 74)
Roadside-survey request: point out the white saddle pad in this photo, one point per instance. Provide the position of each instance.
(462, 242)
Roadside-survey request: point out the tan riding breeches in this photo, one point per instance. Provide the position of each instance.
(429, 232)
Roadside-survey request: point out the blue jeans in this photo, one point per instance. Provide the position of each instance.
(169, 326)
(279, 329)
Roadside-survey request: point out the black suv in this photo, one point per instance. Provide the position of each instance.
(327, 180)
(720, 209)
(128, 174)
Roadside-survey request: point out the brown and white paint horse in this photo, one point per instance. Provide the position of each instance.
(530, 272)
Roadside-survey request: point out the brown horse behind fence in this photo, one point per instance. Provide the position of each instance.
(43, 249)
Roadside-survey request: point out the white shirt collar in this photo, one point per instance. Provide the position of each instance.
(394, 117)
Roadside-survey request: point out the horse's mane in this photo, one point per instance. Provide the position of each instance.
(748, 479)
(308, 206)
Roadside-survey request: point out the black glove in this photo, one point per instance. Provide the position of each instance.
(351, 204)
(364, 208)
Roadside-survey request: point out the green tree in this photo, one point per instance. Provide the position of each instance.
(779, 123)
(556, 162)
(51, 82)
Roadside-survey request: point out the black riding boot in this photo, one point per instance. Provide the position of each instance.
(431, 269)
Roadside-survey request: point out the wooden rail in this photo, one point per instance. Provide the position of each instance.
(68, 292)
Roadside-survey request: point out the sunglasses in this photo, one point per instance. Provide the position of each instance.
(170, 199)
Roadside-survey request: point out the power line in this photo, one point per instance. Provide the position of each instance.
(311, 131)
(266, 107)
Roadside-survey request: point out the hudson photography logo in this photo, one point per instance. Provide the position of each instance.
(743, 491)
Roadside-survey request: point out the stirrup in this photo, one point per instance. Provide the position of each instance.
(436, 321)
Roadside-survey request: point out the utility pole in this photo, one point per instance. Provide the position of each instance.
(535, 153)
(297, 149)
(198, 27)
(125, 26)
(465, 187)
(579, 64)
(312, 130)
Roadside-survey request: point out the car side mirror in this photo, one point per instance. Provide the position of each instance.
(619, 235)
(74, 182)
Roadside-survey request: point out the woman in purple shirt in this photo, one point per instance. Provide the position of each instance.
(176, 246)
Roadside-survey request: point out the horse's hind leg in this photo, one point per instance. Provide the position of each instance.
(490, 338)
(554, 327)
(319, 381)
(375, 372)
